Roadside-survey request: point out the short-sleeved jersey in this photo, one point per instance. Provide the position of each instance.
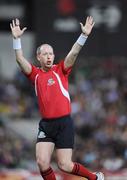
(51, 88)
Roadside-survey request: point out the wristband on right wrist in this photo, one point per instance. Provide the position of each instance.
(17, 43)
(82, 39)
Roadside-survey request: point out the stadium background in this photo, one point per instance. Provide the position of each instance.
(98, 84)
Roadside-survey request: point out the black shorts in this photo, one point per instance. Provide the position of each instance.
(60, 131)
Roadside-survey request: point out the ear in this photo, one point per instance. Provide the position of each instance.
(38, 57)
(54, 56)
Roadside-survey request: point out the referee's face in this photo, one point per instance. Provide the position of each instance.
(46, 56)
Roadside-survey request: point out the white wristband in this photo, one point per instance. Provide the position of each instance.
(16, 43)
(82, 39)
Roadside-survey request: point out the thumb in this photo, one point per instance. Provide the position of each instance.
(24, 29)
(81, 25)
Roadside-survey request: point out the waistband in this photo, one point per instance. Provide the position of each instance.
(56, 119)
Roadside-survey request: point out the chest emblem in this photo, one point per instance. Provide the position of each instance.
(50, 82)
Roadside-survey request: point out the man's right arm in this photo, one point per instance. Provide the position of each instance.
(17, 33)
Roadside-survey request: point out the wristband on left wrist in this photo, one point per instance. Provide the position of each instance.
(82, 39)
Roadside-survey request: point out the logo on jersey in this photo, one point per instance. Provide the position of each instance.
(41, 134)
(51, 82)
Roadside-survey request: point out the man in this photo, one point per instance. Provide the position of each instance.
(51, 87)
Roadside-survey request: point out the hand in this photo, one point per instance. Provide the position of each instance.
(15, 28)
(87, 28)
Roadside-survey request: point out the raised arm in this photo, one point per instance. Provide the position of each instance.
(86, 30)
(17, 33)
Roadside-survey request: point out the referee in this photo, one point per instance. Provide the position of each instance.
(50, 81)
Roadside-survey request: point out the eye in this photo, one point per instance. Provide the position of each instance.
(44, 54)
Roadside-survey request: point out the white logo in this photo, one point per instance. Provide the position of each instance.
(110, 16)
(41, 134)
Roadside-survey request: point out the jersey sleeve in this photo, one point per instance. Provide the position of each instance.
(33, 74)
(66, 71)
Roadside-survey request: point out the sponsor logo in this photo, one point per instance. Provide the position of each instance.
(41, 134)
(51, 82)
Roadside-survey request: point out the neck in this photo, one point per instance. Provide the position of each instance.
(45, 68)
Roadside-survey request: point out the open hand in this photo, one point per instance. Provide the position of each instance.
(15, 28)
(87, 28)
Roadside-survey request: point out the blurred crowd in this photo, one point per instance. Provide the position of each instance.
(99, 108)
(13, 148)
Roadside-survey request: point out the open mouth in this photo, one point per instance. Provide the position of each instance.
(48, 62)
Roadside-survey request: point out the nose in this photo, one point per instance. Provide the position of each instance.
(48, 56)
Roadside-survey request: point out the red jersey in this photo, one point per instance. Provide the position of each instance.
(51, 88)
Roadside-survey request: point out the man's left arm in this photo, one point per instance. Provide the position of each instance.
(86, 30)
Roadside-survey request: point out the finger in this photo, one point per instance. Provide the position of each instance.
(11, 26)
(93, 24)
(81, 24)
(87, 19)
(91, 21)
(24, 29)
(13, 23)
(91, 18)
(17, 22)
